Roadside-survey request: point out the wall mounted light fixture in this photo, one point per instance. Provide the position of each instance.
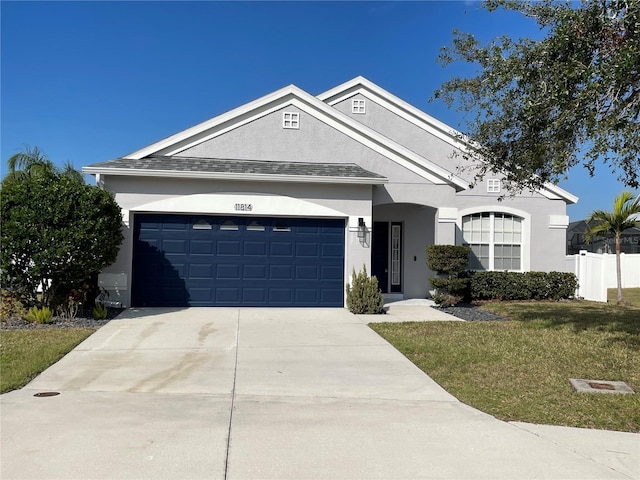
(362, 228)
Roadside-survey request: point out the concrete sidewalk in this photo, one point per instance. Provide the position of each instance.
(271, 393)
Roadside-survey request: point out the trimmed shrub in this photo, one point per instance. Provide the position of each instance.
(522, 286)
(56, 234)
(10, 306)
(100, 312)
(451, 263)
(449, 259)
(364, 295)
(39, 315)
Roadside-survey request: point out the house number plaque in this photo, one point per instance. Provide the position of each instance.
(243, 207)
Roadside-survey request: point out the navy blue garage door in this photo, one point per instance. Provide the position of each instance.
(196, 260)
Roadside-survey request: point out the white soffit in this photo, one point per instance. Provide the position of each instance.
(247, 177)
(554, 192)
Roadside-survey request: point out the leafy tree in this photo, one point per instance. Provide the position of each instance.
(625, 215)
(541, 107)
(34, 163)
(57, 232)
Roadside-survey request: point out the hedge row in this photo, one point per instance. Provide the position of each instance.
(522, 286)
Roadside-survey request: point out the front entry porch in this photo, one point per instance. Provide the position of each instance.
(399, 238)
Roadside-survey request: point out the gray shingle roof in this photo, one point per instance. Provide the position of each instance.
(222, 166)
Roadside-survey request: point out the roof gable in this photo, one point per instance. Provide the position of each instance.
(408, 112)
(292, 95)
(361, 85)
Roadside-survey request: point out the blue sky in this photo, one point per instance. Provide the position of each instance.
(92, 81)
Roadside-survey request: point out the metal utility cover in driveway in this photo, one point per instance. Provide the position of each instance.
(201, 260)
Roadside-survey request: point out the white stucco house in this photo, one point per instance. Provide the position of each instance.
(276, 202)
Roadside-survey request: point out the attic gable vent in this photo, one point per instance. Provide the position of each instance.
(493, 185)
(291, 120)
(358, 106)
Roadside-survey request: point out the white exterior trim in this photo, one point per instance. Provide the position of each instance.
(553, 192)
(559, 221)
(447, 215)
(224, 204)
(235, 176)
(526, 228)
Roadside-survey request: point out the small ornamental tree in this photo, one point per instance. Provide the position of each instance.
(57, 233)
(625, 213)
(363, 294)
(451, 263)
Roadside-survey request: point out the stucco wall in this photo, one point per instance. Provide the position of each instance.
(546, 247)
(265, 139)
(401, 131)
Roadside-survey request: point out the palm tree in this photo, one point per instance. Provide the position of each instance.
(33, 163)
(626, 214)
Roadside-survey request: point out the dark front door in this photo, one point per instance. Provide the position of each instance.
(380, 255)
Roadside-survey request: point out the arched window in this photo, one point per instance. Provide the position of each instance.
(495, 240)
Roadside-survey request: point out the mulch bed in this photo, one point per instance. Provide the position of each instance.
(84, 319)
(471, 313)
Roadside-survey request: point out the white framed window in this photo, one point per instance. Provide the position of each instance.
(395, 254)
(229, 226)
(495, 240)
(255, 226)
(358, 106)
(493, 185)
(291, 120)
(201, 225)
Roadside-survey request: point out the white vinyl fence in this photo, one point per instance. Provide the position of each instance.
(597, 271)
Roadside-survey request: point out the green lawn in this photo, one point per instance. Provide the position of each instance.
(630, 295)
(26, 353)
(520, 369)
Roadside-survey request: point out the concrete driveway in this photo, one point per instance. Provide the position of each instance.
(215, 393)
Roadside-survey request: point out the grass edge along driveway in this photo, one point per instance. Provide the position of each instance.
(26, 353)
(519, 370)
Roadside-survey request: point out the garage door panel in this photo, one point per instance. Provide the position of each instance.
(201, 247)
(254, 272)
(255, 248)
(306, 296)
(281, 249)
(329, 296)
(173, 271)
(280, 296)
(175, 223)
(306, 228)
(331, 272)
(228, 295)
(174, 246)
(307, 272)
(254, 296)
(280, 272)
(306, 249)
(329, 250)
(201, 271)
(229, 247)
(228, 271)
(206, 260)
(174, 295)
